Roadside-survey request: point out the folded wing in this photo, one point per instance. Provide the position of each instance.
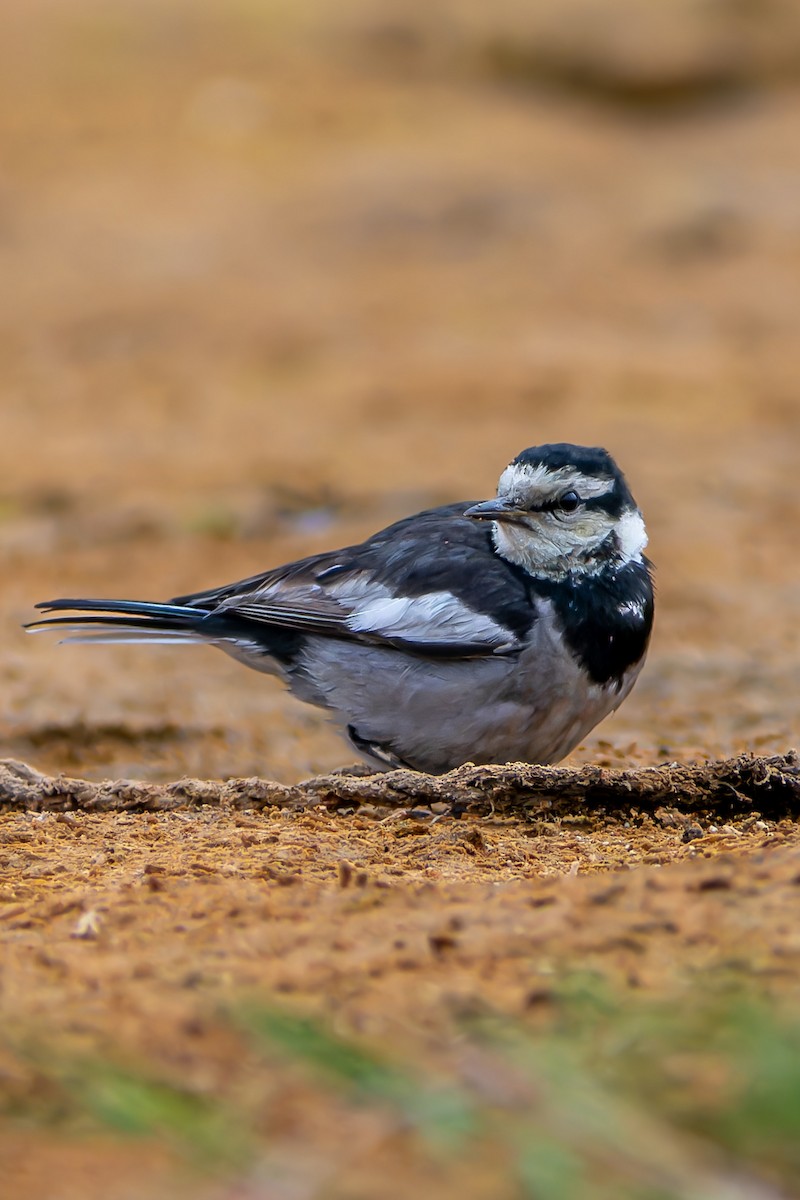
(428, 585)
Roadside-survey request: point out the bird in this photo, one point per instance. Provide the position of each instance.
(480, 632)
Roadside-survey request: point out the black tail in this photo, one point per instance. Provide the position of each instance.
(124, 621)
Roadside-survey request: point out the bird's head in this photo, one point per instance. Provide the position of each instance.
(563, 509)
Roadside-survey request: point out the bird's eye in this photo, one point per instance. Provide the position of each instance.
(569, 502)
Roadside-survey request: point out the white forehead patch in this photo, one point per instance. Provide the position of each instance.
(526, 478)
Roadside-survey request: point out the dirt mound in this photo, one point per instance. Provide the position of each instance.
(736, 786)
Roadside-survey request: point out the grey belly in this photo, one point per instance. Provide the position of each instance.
(435, 715)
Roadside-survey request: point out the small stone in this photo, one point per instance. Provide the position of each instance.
(87, 927)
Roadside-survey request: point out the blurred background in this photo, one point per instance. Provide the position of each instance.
(273, 275)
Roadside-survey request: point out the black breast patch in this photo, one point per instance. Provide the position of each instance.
(606, 618)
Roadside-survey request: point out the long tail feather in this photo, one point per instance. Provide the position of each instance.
(102, 636)
(135, 608)
(123, 621)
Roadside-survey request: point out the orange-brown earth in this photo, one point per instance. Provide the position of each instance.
(271, 279)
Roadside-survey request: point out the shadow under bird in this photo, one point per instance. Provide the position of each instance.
(486, 632)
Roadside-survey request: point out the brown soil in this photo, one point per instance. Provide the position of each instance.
(268, 284)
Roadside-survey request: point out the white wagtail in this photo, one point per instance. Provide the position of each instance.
(492, 632)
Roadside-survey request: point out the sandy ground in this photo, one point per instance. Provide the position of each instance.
(269, 281)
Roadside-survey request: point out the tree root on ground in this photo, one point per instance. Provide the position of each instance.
(730, 787)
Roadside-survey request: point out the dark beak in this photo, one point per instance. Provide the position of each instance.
(494, 510)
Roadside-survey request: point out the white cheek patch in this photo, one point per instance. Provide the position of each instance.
(631, 535)
(436, 617)
(546, 547)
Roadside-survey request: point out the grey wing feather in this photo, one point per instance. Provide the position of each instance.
(355, 605)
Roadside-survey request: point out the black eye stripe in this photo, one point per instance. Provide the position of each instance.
(610, 502)
(557, 504)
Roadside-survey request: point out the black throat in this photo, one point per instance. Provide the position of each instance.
(606, 617)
